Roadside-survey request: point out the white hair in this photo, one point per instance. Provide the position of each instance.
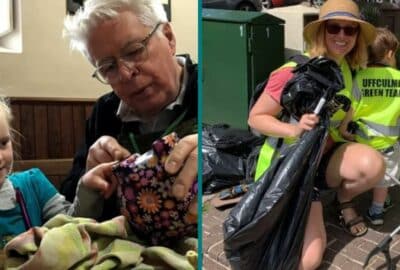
(77, 27)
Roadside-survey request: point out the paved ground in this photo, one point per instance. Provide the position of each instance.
(343, 251)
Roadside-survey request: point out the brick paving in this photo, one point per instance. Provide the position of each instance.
(343, 251)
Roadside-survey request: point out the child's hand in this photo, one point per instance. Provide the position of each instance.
(343, 130)
(101, 179)
(307, 122)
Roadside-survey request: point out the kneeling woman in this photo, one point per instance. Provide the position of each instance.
(350, 168)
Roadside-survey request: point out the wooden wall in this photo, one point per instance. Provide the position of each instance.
(50, 128)
(55, 169)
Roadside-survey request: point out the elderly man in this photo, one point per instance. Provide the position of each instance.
(132, 47)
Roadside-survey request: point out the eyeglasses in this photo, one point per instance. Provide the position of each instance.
(334, 29)
(135, 53)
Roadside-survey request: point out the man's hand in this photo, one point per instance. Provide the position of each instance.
(105, 149)
(183, 159)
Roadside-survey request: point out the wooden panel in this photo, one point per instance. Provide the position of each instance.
(390, 17)
(27, 130)
(56, 180)
(52, 100)
(88, 111)
(67, 134)
(79, 122)
(50, 127)
(54, 131)
(55, 169)
(41, 139)
(59, 166)
(15, 108)
(17, 127)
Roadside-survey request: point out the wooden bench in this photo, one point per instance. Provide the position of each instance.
(55, 169)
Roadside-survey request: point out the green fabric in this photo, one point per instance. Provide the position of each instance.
(80, 243)
(338, 116)
(264, 159)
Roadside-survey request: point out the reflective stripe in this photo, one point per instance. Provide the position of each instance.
(356, 91)
(362, 134)
(335, 123)
(270, 149)
(388, 150)
(338, 116)
(264, 159)
(379, 129)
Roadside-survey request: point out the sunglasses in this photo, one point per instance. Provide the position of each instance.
(334, 29)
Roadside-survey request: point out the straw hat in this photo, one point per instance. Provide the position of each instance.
(340, 10)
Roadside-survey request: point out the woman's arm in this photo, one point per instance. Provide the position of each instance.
(263, 116)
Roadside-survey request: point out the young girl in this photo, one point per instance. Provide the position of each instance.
(378, 112)
(341, 35)
(27, 198)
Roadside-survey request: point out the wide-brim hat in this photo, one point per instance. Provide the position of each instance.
(340, 10)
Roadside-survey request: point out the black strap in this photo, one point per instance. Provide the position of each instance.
(22, 205)
(167, 131)
(299, 58)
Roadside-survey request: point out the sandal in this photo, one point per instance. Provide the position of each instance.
(350, 223)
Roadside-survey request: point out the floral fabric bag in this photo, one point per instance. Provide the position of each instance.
(144, 194)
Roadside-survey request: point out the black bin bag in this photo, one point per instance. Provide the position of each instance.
(226, 154)
(265, 230)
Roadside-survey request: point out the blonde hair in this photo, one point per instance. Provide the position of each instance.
(384, 42)
(5, 109)
(357, 58)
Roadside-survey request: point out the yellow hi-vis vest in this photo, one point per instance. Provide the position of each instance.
(378, 111)
(268, 150)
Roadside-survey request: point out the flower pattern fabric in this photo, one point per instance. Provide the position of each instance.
(144, 193)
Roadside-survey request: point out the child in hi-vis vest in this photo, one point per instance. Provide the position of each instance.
(377, 115)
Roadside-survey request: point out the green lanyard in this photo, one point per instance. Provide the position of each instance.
(167, 131)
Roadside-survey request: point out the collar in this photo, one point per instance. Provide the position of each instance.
(127, 114)
(378, 65)
(7, 195)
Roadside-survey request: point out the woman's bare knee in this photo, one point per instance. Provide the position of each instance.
(357, 164)
(371, 167)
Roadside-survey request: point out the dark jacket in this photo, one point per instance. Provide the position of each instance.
(104, 121)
